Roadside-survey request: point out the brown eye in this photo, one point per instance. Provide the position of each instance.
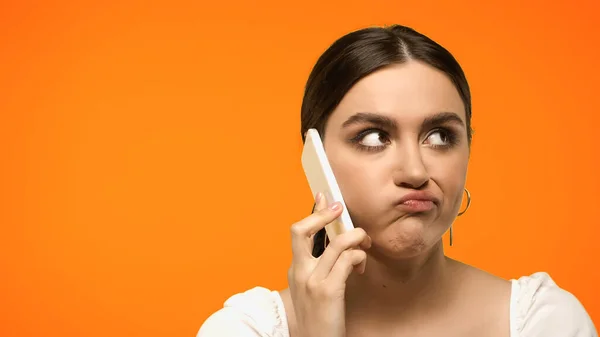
(438, 138)
(373, 139)
(441, 138)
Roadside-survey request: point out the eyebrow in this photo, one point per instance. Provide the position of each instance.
(371, 118)
(442, 118)
(387, 122)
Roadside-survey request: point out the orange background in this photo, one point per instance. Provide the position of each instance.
(150, 150)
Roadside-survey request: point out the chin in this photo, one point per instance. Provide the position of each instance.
(403, 240)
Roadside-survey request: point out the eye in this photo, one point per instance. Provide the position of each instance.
(373, 139)
(440, 138)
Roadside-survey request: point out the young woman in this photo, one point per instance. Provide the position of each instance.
(394, 110)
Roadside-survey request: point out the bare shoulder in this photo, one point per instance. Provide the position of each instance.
(480, 281)
(484, 297)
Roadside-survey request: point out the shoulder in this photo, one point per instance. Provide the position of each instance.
(255, 312)
(539, 307)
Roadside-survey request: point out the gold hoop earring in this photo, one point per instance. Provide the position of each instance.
(461, 213)
(468, 202)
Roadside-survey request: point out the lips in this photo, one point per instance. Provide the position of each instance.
(419, 201)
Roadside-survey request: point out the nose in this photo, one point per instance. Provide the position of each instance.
(410, 170)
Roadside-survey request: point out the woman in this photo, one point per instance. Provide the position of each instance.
(394, 110)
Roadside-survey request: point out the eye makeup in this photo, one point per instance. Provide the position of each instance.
(442, 131)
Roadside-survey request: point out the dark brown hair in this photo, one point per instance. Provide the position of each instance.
(360, 53)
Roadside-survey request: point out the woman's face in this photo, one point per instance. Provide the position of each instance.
(399, 131)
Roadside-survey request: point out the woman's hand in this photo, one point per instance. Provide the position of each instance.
(317, 285)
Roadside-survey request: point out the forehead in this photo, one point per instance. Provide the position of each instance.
(408, 91)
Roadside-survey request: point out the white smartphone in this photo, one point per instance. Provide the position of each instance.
(321, 179)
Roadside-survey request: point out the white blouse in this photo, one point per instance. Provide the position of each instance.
(538, 308)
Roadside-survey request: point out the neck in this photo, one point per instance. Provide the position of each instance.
(397, 288)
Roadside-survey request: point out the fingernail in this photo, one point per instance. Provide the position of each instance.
(335, 206)
(318, 197)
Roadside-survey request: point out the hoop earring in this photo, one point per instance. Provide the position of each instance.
(461, 213)
(468, 202)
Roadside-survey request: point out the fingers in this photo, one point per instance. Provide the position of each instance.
(348, 261)
(344, 254)
(303, 230)
(320, 202)
(347, 241)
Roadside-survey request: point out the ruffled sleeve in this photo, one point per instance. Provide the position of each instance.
(257, 312)
(539, 308)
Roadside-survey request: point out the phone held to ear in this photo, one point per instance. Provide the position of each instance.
(321, 179)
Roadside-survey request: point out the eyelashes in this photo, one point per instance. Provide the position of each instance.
(447, 137)
(358, 140)
(373, 139)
